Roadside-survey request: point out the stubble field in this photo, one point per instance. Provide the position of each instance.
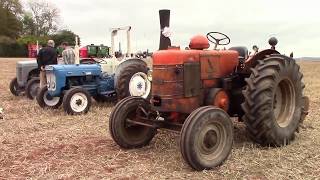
(48, 144)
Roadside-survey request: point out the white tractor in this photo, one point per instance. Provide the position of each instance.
(131, 73)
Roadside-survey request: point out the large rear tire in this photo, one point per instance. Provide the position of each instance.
(132, 81)
(14, 87)
(125, 134)
(45, 100)
(32, 88)
(206, 138)
(273, 101)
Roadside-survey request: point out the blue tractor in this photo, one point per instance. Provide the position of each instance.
(74, 85)
(27, 77)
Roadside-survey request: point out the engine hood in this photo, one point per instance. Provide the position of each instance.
(28, 63)
(76, 69)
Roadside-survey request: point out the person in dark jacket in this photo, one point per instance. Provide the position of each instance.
(46, 56)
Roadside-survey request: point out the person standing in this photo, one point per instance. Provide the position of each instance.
(68, 54)
(46, 56)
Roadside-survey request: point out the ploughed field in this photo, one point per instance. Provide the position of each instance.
(48, 144)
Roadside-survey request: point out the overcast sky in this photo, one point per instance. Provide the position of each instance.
(296, 24)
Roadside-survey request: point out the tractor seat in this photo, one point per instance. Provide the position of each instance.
(243, 52)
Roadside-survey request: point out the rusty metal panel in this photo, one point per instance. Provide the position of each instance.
(167, 80)
(192, 81)
(162, 73)
(210, 83)
(182, 105)
(210, 66)
(172, 89)
(218, 64)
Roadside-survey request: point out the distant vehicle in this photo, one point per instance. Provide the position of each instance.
(27, 77)
(113, 77)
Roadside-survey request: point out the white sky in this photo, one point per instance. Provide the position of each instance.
(296, 24)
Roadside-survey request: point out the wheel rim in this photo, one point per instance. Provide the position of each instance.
(139, 85)
(211, 141)
(78, 102)
(134, 132)
(49, 100)
(284, 103)
(34, 89)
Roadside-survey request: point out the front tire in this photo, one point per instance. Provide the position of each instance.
(273, 101)
(206, 138)
(128, 135)
(14, 87)
(76, 101)
(32, 88)
(45, 100)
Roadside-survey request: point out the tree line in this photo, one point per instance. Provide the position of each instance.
(37, 20)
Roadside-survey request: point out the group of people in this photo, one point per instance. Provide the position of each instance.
(48, 56)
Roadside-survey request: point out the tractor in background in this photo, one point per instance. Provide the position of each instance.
(74, 85)
(113, 78)
(197, 91)
(27, 77)
(26, 80)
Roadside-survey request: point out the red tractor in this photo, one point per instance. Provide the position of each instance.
(196, 91)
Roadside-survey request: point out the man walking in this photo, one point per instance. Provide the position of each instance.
(68, 54)
(46, 56)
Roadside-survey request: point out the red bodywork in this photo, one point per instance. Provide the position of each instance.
(170, 86)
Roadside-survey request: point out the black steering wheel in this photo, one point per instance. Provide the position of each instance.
(223, 40)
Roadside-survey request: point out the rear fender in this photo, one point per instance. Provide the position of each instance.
(253, 61)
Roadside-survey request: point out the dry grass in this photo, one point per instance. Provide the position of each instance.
(47, 144)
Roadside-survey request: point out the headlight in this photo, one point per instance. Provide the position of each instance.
(149, 75)
(48, 82)
(53, 85)
(51, 81)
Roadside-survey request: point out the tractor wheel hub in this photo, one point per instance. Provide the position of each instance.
(284, 103)
(78, 102)
(139, 85)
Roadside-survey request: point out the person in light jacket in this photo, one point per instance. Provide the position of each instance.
(68, 54)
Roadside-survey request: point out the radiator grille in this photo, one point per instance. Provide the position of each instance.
(19, 74)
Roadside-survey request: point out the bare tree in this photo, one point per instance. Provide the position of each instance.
(45, 17)
(13, 6)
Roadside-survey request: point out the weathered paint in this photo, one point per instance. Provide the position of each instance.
(169, 82)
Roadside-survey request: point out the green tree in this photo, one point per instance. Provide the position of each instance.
(42, 40)
(11, 26)
(65, 36)
(29, 27)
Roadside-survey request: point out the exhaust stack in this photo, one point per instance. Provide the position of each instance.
(165, 41)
